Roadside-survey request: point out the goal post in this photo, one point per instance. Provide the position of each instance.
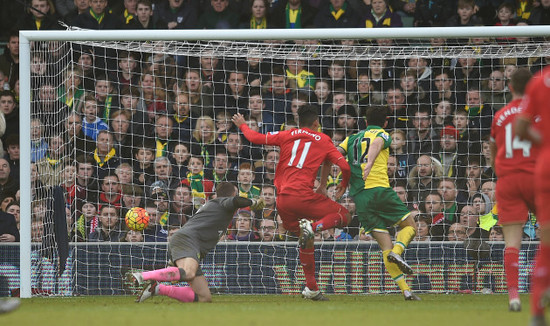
(27, 37)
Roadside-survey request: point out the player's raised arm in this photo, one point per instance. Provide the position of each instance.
(524, 129)
(251, 135)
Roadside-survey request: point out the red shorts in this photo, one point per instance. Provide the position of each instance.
(313, 206)
(515, 196)
(542, 188)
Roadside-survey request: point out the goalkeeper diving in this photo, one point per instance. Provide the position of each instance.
(189, 245)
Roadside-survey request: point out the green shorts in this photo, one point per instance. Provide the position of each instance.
(379, 208)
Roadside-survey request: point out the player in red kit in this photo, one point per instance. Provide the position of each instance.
(303, 151)
(533, 124)
(514, 162)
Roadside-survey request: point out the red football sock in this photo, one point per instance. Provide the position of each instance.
(511, 266)
(540, 279)
(163, 275)
(330, 221)
(307, 258)
(183, 294)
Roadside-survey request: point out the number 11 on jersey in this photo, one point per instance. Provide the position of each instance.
(303, 156)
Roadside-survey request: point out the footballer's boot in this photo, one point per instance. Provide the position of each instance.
(400, 262)
(149, 290)
(9, 304)
(538, 321)
(306, 233)
(409, 296)
(136, 278)
(313, 295)
(514, 305)
(545, 299)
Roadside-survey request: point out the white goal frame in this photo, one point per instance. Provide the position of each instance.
(26, 37)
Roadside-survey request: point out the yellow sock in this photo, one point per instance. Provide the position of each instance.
(404, 237)
(395, 273)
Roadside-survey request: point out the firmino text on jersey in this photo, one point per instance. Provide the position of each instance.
(302, 131)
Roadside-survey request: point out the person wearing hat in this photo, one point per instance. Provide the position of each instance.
(488, 214)
(88, 220)
(155, 108)
(449, 156)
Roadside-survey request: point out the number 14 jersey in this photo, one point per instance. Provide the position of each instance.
(302, 153)
(513, 154)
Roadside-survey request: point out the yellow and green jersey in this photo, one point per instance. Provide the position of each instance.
(356, 147)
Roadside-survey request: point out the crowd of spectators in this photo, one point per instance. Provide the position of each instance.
(118, 129)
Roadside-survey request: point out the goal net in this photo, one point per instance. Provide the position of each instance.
(124, 123)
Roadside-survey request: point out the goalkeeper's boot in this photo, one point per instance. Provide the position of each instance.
(400, 262)
(313, 295)
(149, 290)
(9, 304)
(514, 305)
(409, 296)
(136, 278)
(306, 233)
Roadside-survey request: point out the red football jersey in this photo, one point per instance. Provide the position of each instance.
(302, 153)
(536, 104)
(513, 155)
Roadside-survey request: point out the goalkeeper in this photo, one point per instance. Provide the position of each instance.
(189, 245)
(377, 205)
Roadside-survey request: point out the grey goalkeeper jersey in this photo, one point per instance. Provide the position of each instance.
(212, 220)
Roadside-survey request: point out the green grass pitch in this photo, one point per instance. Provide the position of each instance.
(265, 310)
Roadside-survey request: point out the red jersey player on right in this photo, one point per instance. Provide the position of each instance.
(303, 151)
(536, 109)
(514, 161)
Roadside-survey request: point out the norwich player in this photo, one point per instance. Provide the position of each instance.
(378, 206)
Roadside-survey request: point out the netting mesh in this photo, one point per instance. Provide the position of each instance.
(124, 124)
